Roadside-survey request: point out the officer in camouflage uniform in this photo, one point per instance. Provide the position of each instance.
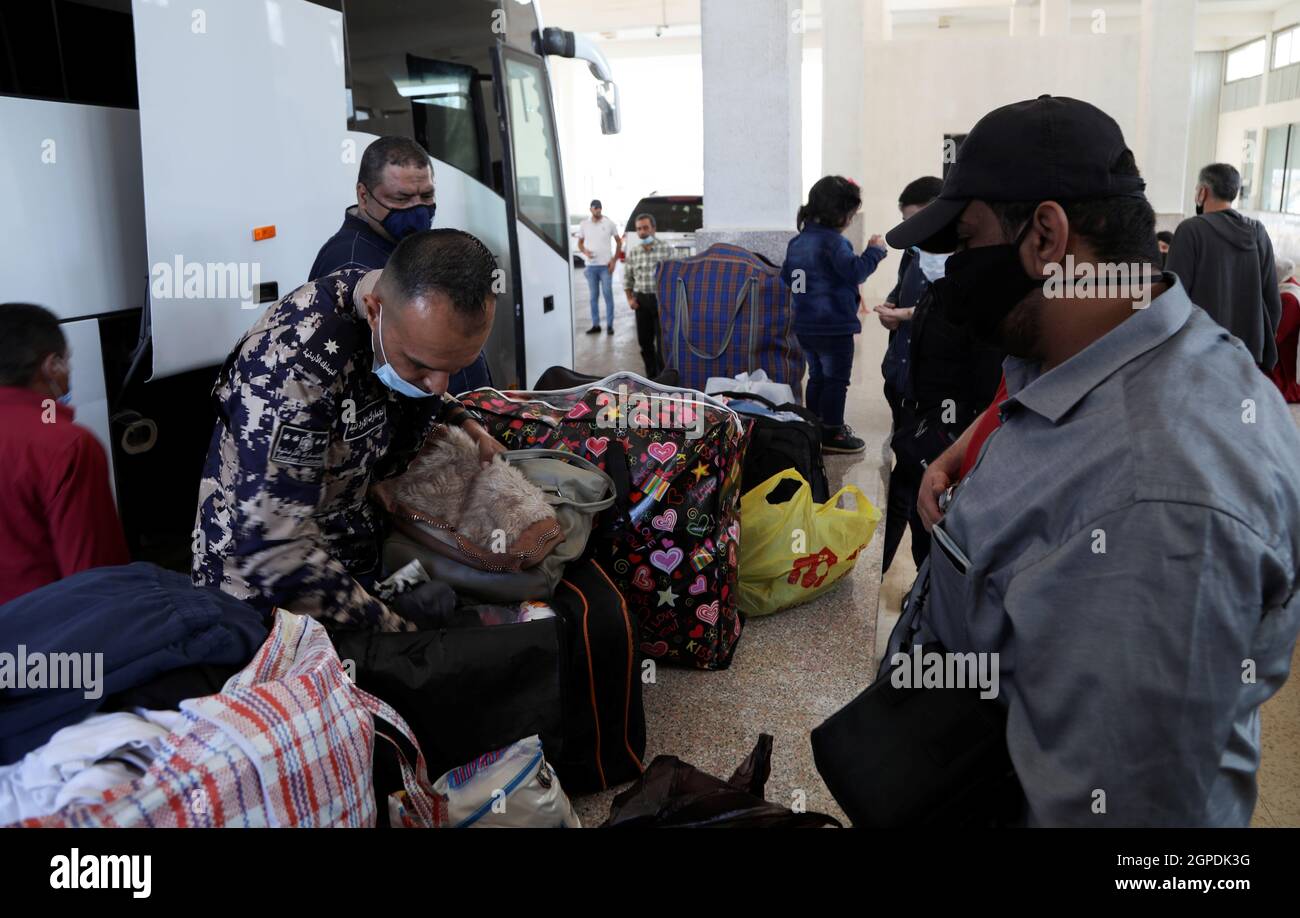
(311, 412)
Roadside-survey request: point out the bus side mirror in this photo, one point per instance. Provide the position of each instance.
(611, 120)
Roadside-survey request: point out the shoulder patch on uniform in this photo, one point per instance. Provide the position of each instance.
(365, 420)
(294, 445)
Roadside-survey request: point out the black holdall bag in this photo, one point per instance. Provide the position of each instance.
(776, 445)
(604, 721)
(916, 757)
(466, 691)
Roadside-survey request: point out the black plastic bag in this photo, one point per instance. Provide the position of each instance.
(673, 794)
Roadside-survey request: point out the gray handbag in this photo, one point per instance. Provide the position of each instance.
(576, 490)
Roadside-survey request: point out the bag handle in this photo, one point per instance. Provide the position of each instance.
(766, 488)
(514, 456)
(683, 330)
(415, 779)
(859, 499)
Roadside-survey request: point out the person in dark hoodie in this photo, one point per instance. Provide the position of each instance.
(1225, 261)
(916, 271)
(824, 275)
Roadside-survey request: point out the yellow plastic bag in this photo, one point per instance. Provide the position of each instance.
(795, 551)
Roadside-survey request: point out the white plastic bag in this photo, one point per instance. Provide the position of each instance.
(755, 383)
(514, 787)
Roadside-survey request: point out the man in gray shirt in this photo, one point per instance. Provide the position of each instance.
(1225, 260)
(1128, 542)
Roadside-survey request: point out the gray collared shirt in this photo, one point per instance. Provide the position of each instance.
(1133, 533)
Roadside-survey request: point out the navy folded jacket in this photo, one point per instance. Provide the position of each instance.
(144, 620)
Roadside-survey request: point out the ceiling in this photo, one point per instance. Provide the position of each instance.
(645, 18)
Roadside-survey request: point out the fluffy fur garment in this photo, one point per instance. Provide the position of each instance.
(448, 481)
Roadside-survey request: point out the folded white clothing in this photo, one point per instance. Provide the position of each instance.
(82, 761)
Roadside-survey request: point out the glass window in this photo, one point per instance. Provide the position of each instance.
(1248, 158)
(1246, 61)
(444, 112)
(1273, 177)
(532, 132)
(1286, 48)
(1281, 49)
(1291, 191)
(69, 51)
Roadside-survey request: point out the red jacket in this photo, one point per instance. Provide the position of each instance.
(988, 422)
(1288, 343)
(57, 514)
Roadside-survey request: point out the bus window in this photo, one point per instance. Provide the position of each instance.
(446, 112)
(538, 194)
(69, 51)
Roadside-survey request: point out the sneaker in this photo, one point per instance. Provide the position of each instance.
(842, 440)
(608, 331)
(594, 330)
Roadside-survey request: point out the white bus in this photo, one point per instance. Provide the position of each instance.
(172, 168)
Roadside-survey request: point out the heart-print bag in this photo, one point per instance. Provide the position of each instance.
(670, 542)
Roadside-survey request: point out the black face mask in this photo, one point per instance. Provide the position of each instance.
(981, 286)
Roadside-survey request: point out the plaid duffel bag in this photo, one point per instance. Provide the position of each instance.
(288, 742)
(725, 312)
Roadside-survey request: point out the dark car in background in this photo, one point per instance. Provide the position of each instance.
(677, 217)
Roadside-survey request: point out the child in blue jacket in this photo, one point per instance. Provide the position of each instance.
(824, 275)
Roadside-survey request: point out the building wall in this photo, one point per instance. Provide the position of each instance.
(946, 90)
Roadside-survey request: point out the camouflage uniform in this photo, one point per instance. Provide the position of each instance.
(303, 428)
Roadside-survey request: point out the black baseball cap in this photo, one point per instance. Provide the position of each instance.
(595, 202)
(1045, 149)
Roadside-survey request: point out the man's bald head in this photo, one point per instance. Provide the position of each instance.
(433, 306)
(442, 263)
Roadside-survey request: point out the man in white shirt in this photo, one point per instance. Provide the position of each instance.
(594, 235)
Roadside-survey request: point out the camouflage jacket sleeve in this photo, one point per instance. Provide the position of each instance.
(283, 420)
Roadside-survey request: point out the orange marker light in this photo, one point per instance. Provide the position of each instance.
(263, 232)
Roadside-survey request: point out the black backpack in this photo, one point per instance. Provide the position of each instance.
(775, 446)
(604, 722)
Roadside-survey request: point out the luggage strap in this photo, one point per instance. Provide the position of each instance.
(682, 332)
(429, 808)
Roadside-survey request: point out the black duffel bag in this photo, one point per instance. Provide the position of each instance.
(910, 757)
(575, 680)
(467, 690)
(604, 721)
(776, 445)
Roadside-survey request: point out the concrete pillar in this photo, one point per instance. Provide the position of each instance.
(751, 52)
(1054, 17)
(877, 20)
(1164, 90)
(845, 25)
(1024, 20)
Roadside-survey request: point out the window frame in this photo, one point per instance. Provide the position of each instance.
(1293, 47)
(1227, 56)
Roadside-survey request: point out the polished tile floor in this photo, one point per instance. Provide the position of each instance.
(794, 669)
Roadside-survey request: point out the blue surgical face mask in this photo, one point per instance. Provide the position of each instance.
(401, 223)
(931, 265)
(388, 376)
(648, 240)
